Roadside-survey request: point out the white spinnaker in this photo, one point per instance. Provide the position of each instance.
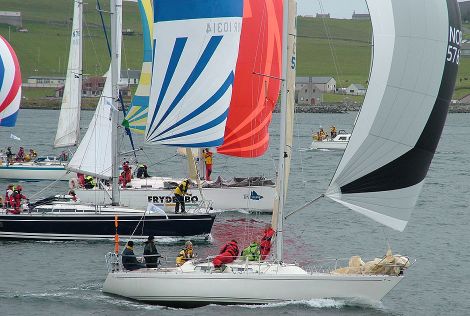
(208, 83)
(410, 41)
(93, 155)
(68, 129)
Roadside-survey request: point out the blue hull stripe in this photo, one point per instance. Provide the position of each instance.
(10, 167)
(206, 105)
(170, 10)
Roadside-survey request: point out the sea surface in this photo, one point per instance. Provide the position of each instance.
(66, 278)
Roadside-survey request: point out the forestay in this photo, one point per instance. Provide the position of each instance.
(136, 118)
(416, 56)
(10, 84)
(195, 53)
(68, 129)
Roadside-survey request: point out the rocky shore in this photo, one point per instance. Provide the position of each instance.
(90, 104)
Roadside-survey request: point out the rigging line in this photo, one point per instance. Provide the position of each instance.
(328, 35)
(304, 206)
(49, 185)
(90, 37)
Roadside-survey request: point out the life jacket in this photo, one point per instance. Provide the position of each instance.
(184, 255)
(15, 199)
(182, 188)
(231, 248)
(252, 252)
(208, 158)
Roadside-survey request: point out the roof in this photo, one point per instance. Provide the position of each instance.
(130, 73)
(358, 86)
(314, 80)
(46, 77)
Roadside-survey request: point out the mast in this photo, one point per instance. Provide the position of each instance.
(286, 121)
(114, 112)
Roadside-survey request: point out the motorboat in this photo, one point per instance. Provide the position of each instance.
(339, 142)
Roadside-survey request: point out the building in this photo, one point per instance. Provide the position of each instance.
(360, 16)
(322, 16)
(130, 77)
(11, 18)
(44, 82)
(356, 89)
(92, 87)
(309, 90)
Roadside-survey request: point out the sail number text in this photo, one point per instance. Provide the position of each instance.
(223, 27)
(453, 49)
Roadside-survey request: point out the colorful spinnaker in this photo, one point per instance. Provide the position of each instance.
(10, 84)
(257, 81)
(136, 118)
(195, 54)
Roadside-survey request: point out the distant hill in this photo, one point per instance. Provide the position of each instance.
(325, 47)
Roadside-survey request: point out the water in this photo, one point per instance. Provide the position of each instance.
(57, 278)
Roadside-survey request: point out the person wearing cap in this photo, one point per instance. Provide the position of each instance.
(151, 254)
(185, 254)
(129, 260)
(180, 191)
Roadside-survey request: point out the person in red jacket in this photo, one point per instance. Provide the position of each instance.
(265, 245)
(15, 200)
(227, 254)
(126, 175)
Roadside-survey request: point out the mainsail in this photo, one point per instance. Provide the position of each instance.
(93, 155)
(136, 118)
(10, 84)
(257, 80)
(68, 129)
(416, 59)
(195, 54)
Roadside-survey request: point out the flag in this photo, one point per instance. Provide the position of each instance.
(152, 208)
(14, 137)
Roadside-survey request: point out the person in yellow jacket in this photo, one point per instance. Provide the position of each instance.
(208, 162)
(180, 191)
(185, 254)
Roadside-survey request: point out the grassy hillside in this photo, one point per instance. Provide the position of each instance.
(337, 48)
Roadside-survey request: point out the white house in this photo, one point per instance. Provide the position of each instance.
(356, 89)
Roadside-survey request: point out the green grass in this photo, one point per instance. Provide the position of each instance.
(341, 98)
(44, 49)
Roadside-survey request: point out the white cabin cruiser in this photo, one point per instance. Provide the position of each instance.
(337, 143)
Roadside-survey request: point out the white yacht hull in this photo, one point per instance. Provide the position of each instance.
(199, 288)
(256, 198)
(329, 145)
(34, 172)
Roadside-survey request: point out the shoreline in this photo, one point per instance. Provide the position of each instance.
(90, 105)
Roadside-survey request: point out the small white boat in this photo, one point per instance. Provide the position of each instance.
(338, 143)
(43, 168)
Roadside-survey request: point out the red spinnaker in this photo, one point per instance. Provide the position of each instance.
(256, 86)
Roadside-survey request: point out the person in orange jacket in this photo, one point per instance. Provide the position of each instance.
(207, 154)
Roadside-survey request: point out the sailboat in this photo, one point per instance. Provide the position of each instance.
(68, 129)
(97, 155)
(252, 101)
(397, 133)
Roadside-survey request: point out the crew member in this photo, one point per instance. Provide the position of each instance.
(129, 260)
(333, 131)
(89, 182)
(142, 172)
(207, 154)
(8, 194)
(185, 254)
(15, 199)
(265, 245)
(151, 254)
(20, 154)
(126, 175)
(9, 155)
(180, 191)
(227, 254)
(252, 252)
